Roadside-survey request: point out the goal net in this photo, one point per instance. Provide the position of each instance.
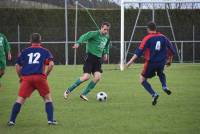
(177, 19)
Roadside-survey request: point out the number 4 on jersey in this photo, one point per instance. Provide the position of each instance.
(158, 46)
(33, 58)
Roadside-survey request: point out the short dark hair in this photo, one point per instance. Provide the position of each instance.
(105, 23)
(151, 26)
(35, 38)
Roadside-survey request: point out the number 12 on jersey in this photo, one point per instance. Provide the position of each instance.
(33, 58)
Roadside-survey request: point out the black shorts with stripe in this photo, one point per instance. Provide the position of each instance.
(92, 64)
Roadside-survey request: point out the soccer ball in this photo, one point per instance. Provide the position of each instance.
(101, 96)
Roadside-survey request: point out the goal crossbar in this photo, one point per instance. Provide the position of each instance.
(161, 1)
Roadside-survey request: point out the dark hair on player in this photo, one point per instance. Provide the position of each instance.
(105, 23)
(151, 26)
(35, 38)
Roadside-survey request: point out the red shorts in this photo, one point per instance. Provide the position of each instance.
(32, 82)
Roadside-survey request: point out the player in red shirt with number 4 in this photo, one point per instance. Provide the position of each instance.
(158, 52)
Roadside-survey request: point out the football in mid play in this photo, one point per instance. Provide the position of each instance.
(102, 96)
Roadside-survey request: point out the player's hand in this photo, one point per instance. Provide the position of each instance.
(168, 62)
(131, 61)
(20, 80)
(126, 66)
(9, 56)
(46, 75)
(75, 46)
(105, 57)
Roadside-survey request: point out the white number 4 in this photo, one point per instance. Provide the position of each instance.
(158, 46)
(33, 58)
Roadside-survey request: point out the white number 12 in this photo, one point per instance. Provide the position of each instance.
(33, 58)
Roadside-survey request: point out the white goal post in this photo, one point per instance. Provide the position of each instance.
(123, 2)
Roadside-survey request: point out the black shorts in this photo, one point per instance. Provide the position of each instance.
(92, 64)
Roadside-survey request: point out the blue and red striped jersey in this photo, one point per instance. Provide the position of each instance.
(156, 48)
(33, 60)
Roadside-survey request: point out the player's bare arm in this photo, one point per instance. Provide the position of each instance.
(18, 70)
(75, 46)
(9, 55)
(131, 61)
(50, 67)
(105, 57)
(169, 61)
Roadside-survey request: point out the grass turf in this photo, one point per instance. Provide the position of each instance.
(128, 109)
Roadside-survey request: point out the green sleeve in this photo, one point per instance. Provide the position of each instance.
(6, 45)
(106, 49)
(86, 37)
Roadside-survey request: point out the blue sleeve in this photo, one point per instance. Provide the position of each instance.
(19, 60)
(170, 47)
(139, 52)
(49, 56)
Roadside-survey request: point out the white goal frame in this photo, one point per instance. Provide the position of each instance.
(123, 2)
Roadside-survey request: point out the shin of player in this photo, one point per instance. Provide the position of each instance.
(158, 52)
(30, 67)
(97, 47)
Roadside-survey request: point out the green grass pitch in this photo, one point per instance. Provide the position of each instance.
(127, 111)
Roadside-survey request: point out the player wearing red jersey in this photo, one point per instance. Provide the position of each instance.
(158, 52)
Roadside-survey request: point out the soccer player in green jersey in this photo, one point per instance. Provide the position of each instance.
(4, 49)
(97, 48)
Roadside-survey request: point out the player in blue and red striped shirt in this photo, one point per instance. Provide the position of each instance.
(30, 67)
(158, 52)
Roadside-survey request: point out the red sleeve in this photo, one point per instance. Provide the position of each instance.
(144, 42)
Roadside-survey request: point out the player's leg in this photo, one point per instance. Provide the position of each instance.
(25, 91)
(148, 87)
(162, 78)
(149, 72)
(15, 110)
(96, 71)
(41, 84)
(49, 109)
(83, 78)
(2, 68)
(87, 69)
(91, 85)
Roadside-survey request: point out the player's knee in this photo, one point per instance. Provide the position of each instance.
(20, 100)
(48, 98)
(142, 79)
(97, 78)
(85, 78)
